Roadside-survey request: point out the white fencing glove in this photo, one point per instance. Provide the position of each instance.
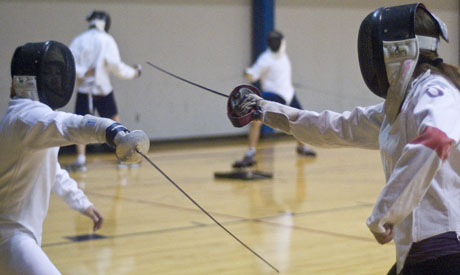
(126, 142)
(251, 101)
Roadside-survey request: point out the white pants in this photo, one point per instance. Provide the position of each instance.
(21, 255)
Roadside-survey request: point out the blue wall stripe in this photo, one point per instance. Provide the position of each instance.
(263, 21)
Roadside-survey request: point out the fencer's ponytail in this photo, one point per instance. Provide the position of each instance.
(429, 60)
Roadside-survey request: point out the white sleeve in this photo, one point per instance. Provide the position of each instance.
(45, 128)
(114, 63)
(420, 160)
(66, 188)
(357, 128)
(259, 67)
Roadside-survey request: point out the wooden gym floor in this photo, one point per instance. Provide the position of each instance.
(308, 219)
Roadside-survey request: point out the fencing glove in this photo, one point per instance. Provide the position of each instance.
(126, 142)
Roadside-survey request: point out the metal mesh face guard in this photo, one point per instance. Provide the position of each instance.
(274, 40)
(370, 53)
(53, 65)
(238, 117)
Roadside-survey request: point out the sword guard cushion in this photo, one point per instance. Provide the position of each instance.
(238, 117)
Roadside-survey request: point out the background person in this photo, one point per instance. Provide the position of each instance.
(96, 56)
(273, 69)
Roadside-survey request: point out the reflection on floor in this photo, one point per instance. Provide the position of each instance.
(309, 218)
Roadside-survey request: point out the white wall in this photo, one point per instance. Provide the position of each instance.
(209, 42)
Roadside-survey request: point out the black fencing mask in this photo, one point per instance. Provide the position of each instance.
(388, 51)
(46, 69)
(274, 39)
(99, 15)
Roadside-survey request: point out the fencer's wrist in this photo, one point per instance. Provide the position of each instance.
(114, 132)
(261, 103)
(260, 109)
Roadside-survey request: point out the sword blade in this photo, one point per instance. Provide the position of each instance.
(204, 211)
(188, 81)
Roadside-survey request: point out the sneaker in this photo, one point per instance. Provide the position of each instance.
(76, 167)
(133, 165)
(247, 161)
(121, 165)
(305, 151)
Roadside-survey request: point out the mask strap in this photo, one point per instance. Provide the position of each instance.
(427, 43)
(25, 86)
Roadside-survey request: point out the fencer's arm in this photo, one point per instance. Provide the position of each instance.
(101, 130)
(42, 127)
(66, 188)
(116, 65)
(357, 128)
(253, 73)
(248, 76)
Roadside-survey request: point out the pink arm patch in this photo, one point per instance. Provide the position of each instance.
(435, 139)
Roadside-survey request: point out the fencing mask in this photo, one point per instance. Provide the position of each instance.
(44, 71)
(100, 20)
(388, 51)
(274, 39)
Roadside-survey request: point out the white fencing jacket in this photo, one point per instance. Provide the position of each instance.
(97, 50)
(30, 133)
(274, 72)
(420, 153)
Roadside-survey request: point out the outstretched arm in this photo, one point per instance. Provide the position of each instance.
(357, 128)
(116, 65)
(44, 128)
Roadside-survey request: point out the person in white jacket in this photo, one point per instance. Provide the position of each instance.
(96, 57)
(273, 69)
(31, 132)
(416, 129)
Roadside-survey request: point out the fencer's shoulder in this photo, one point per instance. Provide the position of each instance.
(108, 39)
(93, 33)
(26, 104)
(106, 35)
(27, 111)
(267, 54)
(84, 38)
(433, 85)
(432, 91)
(265, 58)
